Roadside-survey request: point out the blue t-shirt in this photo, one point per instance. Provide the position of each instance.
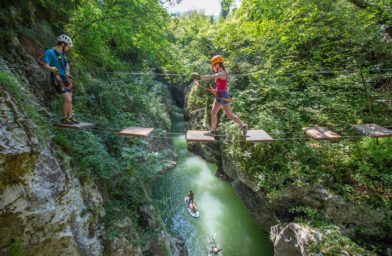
(50, 57)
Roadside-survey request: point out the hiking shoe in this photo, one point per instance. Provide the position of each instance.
(244, 130)
(73, 120)
(66, 121)
(211, 133)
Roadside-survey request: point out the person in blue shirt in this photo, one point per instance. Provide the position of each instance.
(55, 62)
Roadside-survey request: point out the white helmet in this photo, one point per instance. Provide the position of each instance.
(65, 39)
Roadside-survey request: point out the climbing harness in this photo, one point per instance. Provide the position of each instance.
(57, 80)
(219, 95)
(216, 93)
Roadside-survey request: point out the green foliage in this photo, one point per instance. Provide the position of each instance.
(24, 97)
(20, 16)
(287, 41)
(135, 157)
(225, 7)
(334, 243)
(307, 211)
(15, 248)
(89, 157)
(374, 175)
(120, 35)
(193, 41)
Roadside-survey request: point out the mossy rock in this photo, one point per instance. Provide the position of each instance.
(14, 167)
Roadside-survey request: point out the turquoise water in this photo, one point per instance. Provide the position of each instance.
(222, 212)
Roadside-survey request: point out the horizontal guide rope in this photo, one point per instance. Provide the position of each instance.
(110, 131)
(131, 73)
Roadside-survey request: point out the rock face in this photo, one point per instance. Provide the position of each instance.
(292, 240)
(120, 246)
(178, 247)
(19, 147)
(355, 219)
(44, 209)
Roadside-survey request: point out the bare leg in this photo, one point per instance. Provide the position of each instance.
(70, 112)
(230, 115)
(67, 105)
(216, 106)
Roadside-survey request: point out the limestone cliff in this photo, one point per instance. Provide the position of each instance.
(43, 207)
(292, 240)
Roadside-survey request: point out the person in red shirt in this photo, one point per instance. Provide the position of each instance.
(190, 197)
(222, 97)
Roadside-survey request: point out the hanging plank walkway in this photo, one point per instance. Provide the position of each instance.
(199, 136)
(251, 136)
(258, 136)
(321, 133)
(372, 130)
(79, 126)
(136, 132)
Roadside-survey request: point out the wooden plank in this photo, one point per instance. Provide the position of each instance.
(136, 131)
(258, 136)
(74, 126)
(199, 136)
(372, 130)
(321, 133)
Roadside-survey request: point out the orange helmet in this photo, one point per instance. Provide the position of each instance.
(217, 59)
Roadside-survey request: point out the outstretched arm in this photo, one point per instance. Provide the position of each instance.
(222, 75)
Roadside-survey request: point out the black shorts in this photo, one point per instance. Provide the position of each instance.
(61, 89)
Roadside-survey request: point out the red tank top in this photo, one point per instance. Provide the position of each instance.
(221, 84)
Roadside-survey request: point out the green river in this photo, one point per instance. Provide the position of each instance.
(222, 213)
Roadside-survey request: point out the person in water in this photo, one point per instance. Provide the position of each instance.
(215, 250)
(190, 197)
(191, 202)
(222, 97)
